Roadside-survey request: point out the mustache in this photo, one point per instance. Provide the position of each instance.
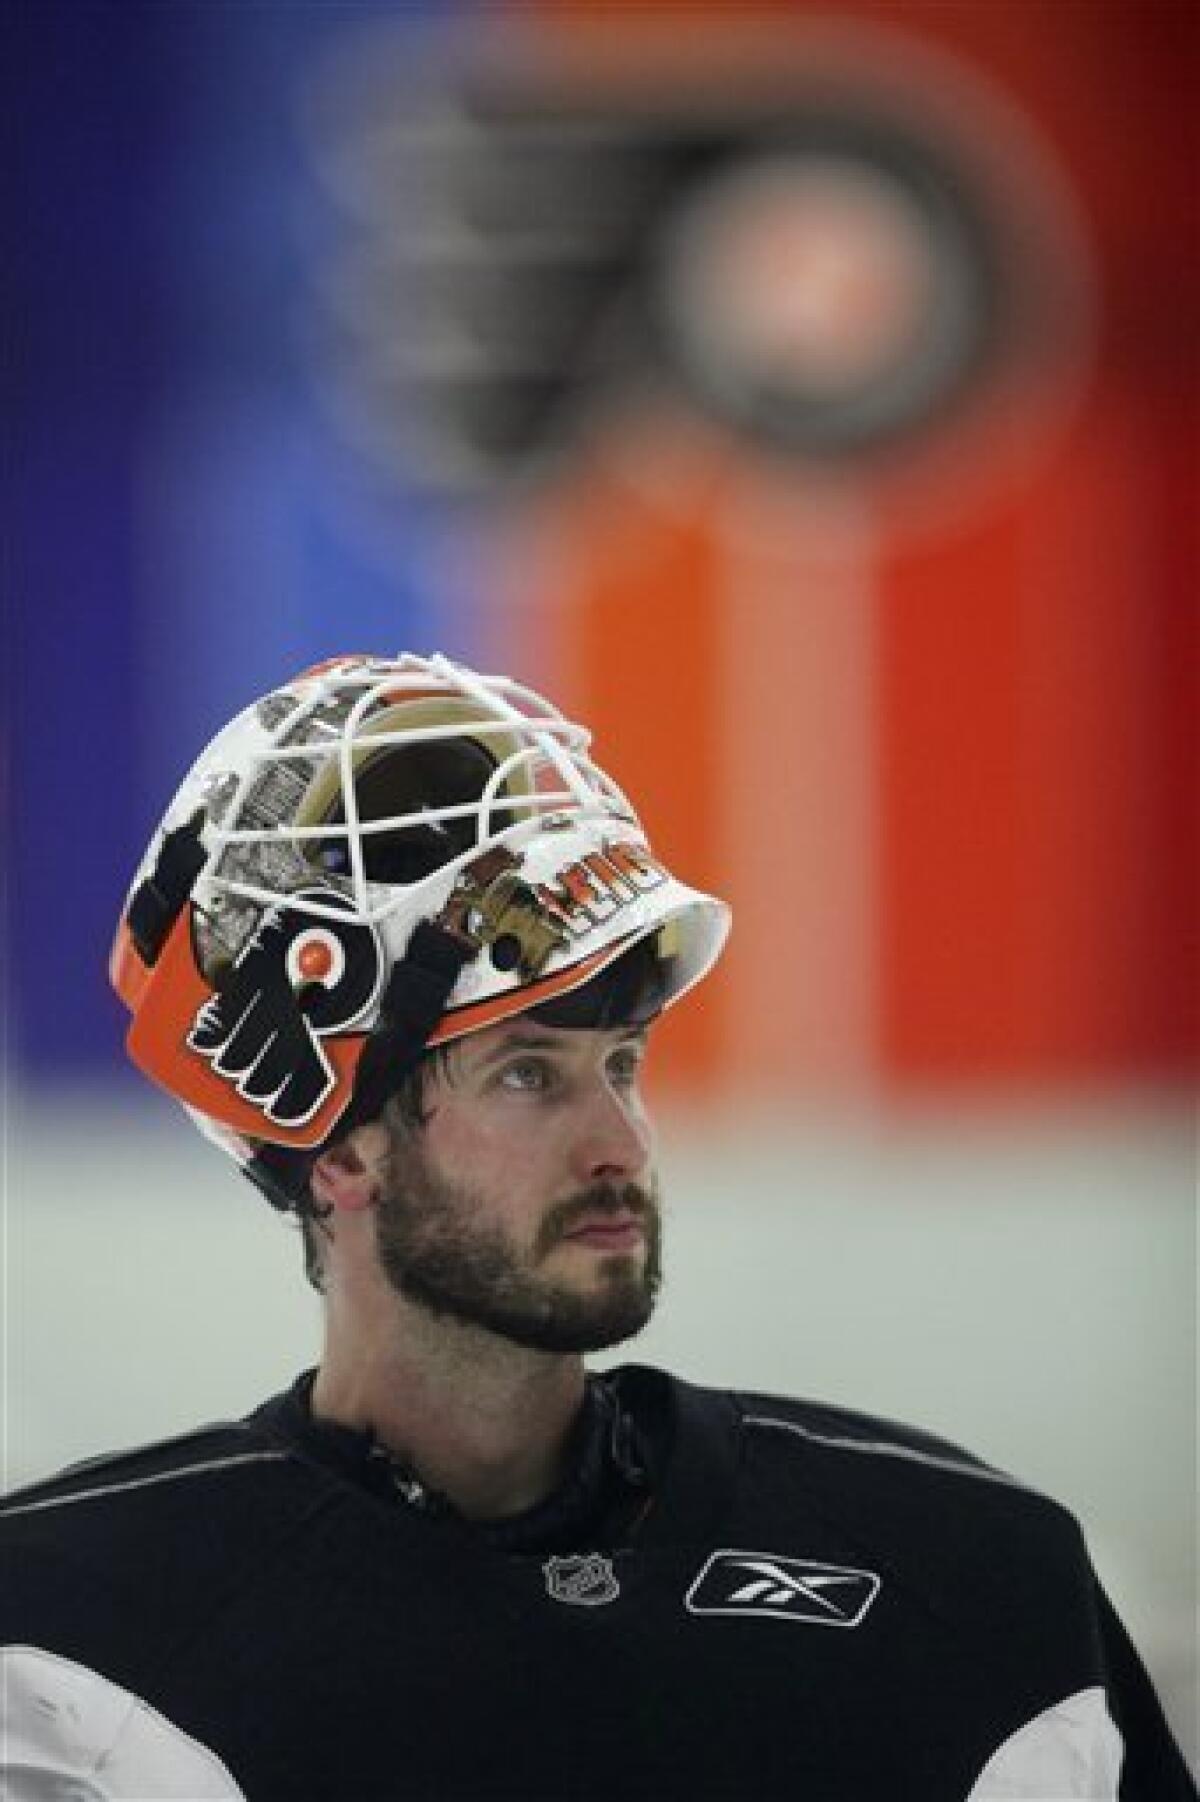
(600, 1198)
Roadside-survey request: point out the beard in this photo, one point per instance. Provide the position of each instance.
(436, 1251)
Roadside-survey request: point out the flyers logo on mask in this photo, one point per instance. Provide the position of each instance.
(298, 978)
(587, 893)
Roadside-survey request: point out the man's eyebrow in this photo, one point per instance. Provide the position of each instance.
(548, 1042)
(520, 1041)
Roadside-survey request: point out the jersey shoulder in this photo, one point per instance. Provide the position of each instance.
(799, 1423)
(102, 1562)
(855, 1433)
(962, 1534)
(210, 1451)
(848, 1452)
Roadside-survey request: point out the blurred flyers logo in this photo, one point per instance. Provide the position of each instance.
(787, 1589)
(751, 345)
(844, 244)
(299, 978)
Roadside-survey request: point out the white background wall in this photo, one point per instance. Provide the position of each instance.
(1023, 1280)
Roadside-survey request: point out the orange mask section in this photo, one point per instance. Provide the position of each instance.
(166, 1001)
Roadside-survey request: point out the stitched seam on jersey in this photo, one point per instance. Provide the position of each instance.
(80, 1466)
(162, 1476)
(885, 1449)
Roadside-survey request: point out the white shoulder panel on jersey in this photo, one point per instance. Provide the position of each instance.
(1071, 1753)
(66, 1729)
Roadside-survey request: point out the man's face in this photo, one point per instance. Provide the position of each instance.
(527, 1202)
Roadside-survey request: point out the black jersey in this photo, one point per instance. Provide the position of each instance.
(754, 1598)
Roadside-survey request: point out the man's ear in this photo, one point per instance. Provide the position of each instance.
(350, 1174)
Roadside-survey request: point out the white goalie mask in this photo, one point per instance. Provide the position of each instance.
(376, 858)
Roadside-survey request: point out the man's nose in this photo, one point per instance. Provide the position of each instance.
(615, 1140)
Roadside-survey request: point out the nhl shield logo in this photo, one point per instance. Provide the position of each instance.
(586, 1579)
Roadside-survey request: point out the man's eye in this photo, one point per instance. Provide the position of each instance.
(529, 1075)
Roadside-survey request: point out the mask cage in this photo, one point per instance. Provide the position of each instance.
(342, 747)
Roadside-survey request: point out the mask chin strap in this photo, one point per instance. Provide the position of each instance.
(413, 1002)
(157, 902)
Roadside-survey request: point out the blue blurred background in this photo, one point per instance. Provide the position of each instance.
(170, 507)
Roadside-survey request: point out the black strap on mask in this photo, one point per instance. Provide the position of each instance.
(157, 902)
(413, 1003)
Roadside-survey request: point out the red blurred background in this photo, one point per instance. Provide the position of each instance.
(932, 725)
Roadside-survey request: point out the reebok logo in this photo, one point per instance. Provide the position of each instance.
(786, 1589)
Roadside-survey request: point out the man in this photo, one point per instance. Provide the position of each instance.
(397, 947)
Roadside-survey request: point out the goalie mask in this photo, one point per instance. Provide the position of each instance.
(380, 857)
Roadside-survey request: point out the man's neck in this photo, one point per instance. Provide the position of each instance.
(483, 1422)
